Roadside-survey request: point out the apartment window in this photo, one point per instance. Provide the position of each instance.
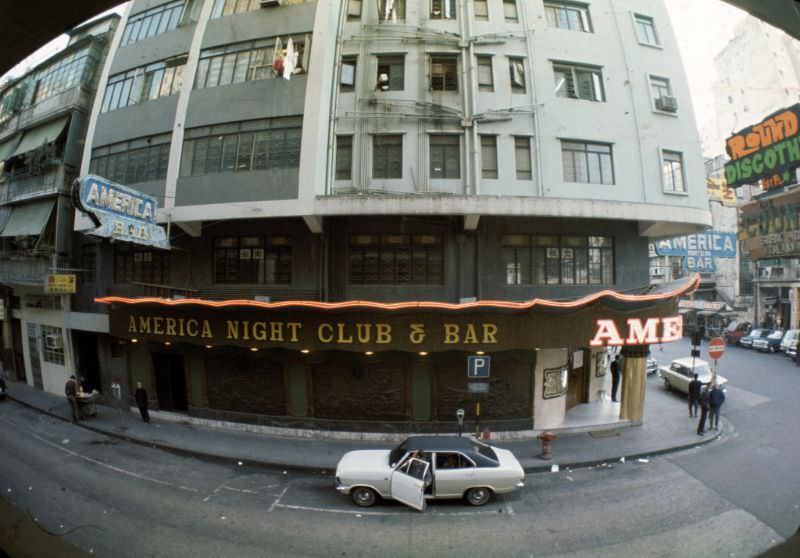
(564, 15)
(160, 20)
(661, 90)
(354, 10)
(443, 73)
(522, 156)
(53, 344)
(485, 73)
(272, 143)
(68, 72)
(253, 260)
(578, 82)
(253, 60)
(387, 156)
(587, 162)
(558, 260)
(230, 7)
(134, 161)
(347, 81)
(510, 11)
(672, 171)
(481, 9)
(141, 266)
(89, 263)
(396, 259)
(344, 157)
(392, 10)
(488, 156)
(443, 9)
(445, 156)
(391, 72)
(144, 83)
(516, 71)
(646, 30)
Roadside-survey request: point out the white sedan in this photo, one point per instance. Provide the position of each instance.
(428, 467)
(679, 373)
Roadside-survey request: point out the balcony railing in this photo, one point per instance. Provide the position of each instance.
(24, 269)
(77, 97)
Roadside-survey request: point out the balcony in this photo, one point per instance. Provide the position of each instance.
(75, 98)
(28, 185)
(23, 269)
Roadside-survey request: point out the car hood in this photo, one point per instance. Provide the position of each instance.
(362, 461)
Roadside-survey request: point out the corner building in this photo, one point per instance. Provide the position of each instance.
(443, 151)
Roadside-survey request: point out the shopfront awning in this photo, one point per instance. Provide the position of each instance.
(426, 326)
(7, 147)
(29, 219)
(36, 137)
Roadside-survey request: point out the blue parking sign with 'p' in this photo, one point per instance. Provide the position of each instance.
(478, 366)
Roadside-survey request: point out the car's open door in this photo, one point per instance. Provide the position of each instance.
(408, 483)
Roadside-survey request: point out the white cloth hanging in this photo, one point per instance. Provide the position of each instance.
(290, 62)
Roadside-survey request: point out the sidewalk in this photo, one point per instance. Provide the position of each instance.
(667, 427)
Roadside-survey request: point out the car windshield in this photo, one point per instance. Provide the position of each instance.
(775, 335)
(397, 453)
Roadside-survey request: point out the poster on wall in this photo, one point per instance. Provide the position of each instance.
(771, 228)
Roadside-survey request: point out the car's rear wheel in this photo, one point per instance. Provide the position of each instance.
(363, 496)
(667, 384)
(478, 496)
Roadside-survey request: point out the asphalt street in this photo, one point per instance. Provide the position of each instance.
(734, 497)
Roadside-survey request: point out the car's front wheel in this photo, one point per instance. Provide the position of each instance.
(478, 496)
(363, 496)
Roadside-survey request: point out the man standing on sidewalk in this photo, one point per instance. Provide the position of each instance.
(694, 395)
(141, 401)
(71, 391)
(701, 424)
(715, 400)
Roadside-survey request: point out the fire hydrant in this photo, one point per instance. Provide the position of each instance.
(547, 442)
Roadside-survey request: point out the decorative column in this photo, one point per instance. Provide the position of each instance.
(634, 381)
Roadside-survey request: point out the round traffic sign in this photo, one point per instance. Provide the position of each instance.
(716, 348)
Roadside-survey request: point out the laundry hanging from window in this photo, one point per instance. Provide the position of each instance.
(285, 59)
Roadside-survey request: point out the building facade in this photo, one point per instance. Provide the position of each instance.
(436, 150)
(43, 119)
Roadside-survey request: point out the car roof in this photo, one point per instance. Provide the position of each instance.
(434, 443)
(687, 362)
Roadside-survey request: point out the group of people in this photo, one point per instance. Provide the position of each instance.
(72, 390)
(708, 400)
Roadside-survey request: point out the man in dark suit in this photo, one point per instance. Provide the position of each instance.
(616, 371)
(694, 395)
(71, 391)
(141, 401)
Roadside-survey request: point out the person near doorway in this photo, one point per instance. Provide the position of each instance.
(716, 397)
(701, 424)
(616, 371)
(694, 395)
(141, 401)
(71, 391)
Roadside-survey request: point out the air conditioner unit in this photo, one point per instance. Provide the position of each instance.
(665, 103)
(269, 3)
(53, 342)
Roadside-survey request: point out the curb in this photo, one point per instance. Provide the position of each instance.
(532, 469)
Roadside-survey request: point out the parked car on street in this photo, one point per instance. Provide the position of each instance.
(747, 340)
(735, 331)
(428, 467)
(679, 373)
(771, 342)
(789, 340)
(652, 365)
(3, 389)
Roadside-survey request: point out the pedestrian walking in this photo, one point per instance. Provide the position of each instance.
(716, 398)
(71, 391)
(616, 370)
(701, 424)
(694, 395)
(141, 401)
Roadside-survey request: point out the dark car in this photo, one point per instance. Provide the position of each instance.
(747, 340)
(3, 389)
(771, 342)
(735, 331)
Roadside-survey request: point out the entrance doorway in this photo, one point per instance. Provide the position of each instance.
(170, 382)
(88, 361)
(577, 381)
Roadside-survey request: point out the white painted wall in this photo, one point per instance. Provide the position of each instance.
(548, 413)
